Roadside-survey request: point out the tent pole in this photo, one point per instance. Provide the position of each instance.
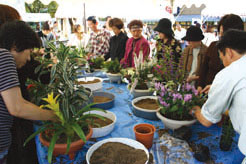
(85, 29)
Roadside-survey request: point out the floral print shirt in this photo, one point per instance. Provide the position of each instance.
(172, 45)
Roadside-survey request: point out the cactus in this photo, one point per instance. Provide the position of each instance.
(227, 135)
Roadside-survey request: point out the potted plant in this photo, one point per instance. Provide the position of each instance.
(95, 63)
(175, 96)
(227, 134)
(175, 102)
(69, 101)
(141, 77)
(113, 70)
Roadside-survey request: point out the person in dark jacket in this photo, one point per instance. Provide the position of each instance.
(117, 43)
(212, 64)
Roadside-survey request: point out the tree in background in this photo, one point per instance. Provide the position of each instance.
(38, 7)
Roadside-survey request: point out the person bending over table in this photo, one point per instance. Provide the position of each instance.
(228, 90)
(21, 40)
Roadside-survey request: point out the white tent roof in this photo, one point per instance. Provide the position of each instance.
(222, 7)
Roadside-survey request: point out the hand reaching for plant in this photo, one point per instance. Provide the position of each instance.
(206, 89)
(192, 78)
(199, 89)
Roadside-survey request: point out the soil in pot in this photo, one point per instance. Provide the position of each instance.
(175, 116)
(150, 104)
(142, 86)
(47, 135)
(89, 82)
(96, 122)
(101, 99)
(114, 152)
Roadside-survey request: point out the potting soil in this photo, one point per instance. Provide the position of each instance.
(89, 82)
(150, 104)
(101, 99)
(118, 153)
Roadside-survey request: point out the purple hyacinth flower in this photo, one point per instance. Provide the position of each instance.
(187, 97)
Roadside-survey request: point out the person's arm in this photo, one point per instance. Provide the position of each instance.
(200, 117)
(219, 100)
(146, 50)
(123, 48)
(19, 107)
(107, 55)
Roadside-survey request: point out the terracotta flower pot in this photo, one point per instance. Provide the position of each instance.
(61, 148)
(144, 133)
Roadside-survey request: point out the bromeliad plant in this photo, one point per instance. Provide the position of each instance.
(68, 100)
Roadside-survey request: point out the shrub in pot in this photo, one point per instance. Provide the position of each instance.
(95, 63)
(113, 70)
(69, 101)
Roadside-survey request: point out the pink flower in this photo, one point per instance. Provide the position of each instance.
(187, 97)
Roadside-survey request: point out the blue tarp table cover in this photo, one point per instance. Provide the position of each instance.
(124, 128)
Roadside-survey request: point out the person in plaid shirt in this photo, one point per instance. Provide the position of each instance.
(98, 43)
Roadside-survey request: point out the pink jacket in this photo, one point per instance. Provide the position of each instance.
(142, 43)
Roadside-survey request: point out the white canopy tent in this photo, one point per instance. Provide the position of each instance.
(216, 8)
(222, 7)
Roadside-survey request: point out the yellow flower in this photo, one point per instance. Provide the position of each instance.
(53, 105)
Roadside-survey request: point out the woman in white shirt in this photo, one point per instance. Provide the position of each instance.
(78, 38)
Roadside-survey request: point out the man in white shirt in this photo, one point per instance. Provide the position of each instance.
(228, 90)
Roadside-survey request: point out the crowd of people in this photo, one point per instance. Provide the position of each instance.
(215, 68)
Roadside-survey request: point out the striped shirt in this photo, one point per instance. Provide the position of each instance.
(8, 79)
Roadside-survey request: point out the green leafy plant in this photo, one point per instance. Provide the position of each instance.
(67, 99)
(95, 63)
(167, 69)
(113, 66)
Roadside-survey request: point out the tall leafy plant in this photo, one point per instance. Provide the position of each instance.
(66, 98)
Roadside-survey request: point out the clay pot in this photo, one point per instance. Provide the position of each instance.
(144, 133)
(61, 148)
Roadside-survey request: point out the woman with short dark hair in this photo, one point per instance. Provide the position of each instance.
(117, 43)
(17, 40)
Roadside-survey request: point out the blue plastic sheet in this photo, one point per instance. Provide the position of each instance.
(124, 128)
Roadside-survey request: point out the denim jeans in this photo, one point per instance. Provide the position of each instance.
(3, 156)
